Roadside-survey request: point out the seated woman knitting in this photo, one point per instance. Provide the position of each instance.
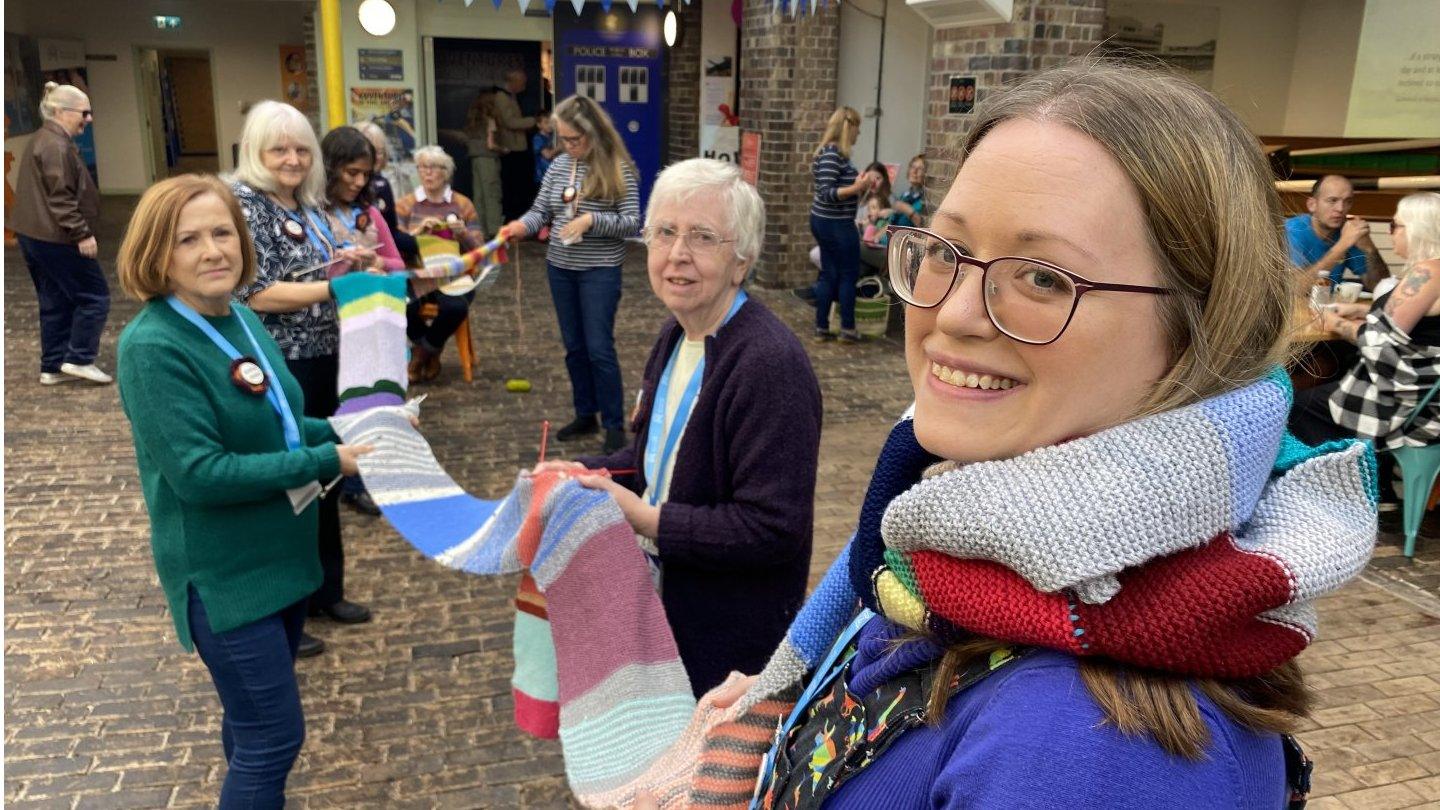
(727, 434)
(1399, 341)
(1084, 582)
(436, 209)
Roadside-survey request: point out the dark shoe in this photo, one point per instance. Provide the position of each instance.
(582, 426)
(361, 502)
(347, 612)
(822, 335)
(849, 336)
(614, 439)
(806, 294)
(310, 646)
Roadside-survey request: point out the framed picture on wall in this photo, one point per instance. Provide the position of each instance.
(962, 95)
(634, 85)
(590, 81)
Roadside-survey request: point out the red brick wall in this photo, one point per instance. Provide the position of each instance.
(1044, 33)
(787, 93)
(683, 87)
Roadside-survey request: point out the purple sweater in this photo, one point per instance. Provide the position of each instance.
(735, 533)
(1031, 736)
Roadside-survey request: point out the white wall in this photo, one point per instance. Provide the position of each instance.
(416, 19)
(901, 127)
(1324, 67)
(243, 39)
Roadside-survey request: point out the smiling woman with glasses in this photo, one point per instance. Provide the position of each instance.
(727, 432)
(54, 215)
(1087, 560)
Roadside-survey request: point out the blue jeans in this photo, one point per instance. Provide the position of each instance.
(253, 668)
(839, 269)
(585, 304)
(74, 302)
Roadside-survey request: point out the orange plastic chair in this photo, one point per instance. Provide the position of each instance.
(463, 342)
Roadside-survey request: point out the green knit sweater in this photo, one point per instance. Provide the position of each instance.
(214, 469)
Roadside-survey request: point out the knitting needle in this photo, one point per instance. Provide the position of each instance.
(544, 437)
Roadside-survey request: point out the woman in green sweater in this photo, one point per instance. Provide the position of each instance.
(230, 469)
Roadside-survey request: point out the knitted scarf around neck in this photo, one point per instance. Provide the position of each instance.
(1192, 542)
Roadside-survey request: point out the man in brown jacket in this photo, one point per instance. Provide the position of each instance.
(56, 209)
(512, 135)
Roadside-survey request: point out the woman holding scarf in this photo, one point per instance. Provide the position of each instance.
(356, 221)
(590, 198)
(1084, 582)
(230, 467)
(280, 185)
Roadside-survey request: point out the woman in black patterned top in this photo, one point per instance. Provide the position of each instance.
(590, 199)
(280, 184)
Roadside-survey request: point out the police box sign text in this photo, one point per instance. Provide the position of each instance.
(614, 52)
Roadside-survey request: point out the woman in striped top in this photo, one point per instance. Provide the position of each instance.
(590, 198)
(838, 188)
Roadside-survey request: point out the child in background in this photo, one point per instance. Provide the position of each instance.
(542, 144)
(874, 213)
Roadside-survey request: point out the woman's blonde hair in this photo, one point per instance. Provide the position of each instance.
(143, 265)
(1421, 214)
(609, 159)
(270, 123)
(61, 95)
(1215, 225)
(841, 131)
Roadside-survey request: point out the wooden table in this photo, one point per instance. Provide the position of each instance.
(1305, 325)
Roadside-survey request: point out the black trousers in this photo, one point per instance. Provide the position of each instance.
(517, 184)
(318, 378)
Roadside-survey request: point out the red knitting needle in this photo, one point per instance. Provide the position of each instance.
(545, 438)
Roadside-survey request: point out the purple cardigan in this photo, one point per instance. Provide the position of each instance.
(1031, 736)
(735, 533)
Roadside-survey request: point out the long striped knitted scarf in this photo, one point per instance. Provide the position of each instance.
(1193, 542)
(595, 662)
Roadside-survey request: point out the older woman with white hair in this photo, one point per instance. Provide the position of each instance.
(727, 437)
(280, 185)
(54, 215)
(439, 210)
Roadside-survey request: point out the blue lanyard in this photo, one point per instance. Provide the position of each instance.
(272, 388)
(833, 665)
(326, 244)
(655, 455)
(354, 217)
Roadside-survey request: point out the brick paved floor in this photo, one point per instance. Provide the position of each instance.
(103, 709)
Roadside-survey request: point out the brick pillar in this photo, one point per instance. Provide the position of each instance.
(683, 87)
(1043, 33)
(787, 93)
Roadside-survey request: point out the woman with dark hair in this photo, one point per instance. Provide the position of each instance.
(350, 200)
(349, 159)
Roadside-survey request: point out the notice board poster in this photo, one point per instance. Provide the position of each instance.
(393, 109)
(1396, 90)
(295, 78)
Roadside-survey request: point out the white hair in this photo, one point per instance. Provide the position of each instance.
(376, 135)
(682, 182)
(1421, 214)
(435, 154)
(61, 95)
(270, 123)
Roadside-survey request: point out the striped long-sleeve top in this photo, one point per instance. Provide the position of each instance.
(614, 220)
(833, 171)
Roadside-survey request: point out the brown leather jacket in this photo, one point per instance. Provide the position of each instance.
(55, 196)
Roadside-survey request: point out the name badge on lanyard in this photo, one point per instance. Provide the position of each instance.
(257, 373)
(661, 442)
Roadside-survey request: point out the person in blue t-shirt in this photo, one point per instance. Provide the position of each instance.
(1328, 242)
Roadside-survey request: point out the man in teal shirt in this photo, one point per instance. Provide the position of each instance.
(1328, 242)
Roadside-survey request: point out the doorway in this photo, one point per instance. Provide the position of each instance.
(178, 99)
